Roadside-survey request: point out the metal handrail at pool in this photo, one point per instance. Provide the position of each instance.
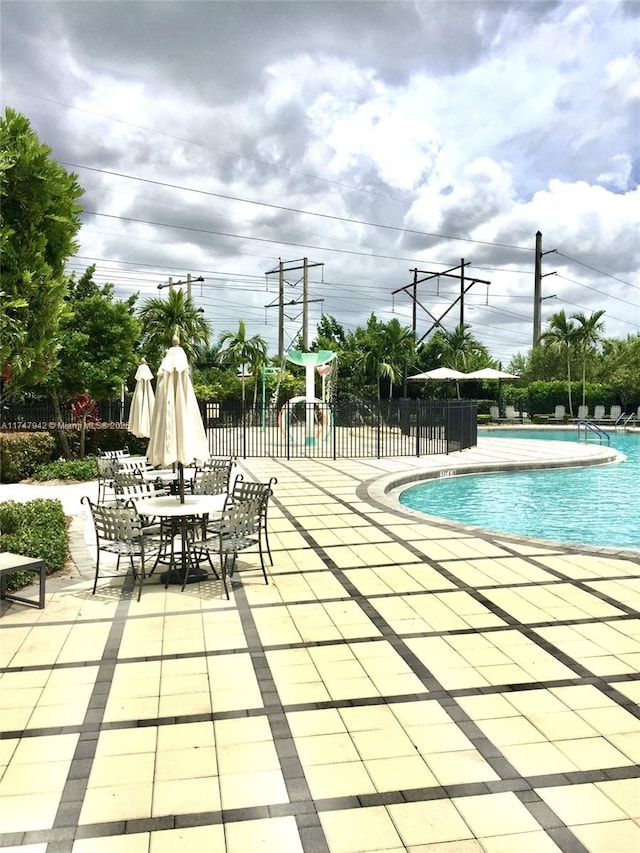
(589, 426)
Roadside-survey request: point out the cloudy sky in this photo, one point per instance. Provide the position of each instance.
(373, 138)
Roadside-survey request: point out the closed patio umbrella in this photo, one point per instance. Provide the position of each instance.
(142, 402)
(177, 432)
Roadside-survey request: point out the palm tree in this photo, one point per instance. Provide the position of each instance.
(587, 340)
(384, 350)
(459, 348)
(239, 351)
(561, 337)
(400, 351)
(176, 315)
(371, 356)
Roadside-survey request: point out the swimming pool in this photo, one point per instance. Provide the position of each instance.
(597, 505)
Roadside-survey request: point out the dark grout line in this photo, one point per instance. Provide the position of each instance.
(306, 811)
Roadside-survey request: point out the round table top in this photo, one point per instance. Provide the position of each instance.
(170, 507)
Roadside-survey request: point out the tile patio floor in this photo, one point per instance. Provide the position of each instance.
(400, 685)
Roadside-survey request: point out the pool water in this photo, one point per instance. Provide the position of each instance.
(597, 505)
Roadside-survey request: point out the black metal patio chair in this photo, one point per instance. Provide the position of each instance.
(238, 528)
(119, 531)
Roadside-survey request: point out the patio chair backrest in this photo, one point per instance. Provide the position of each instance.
(126, 478)
(494, 413)
(115, 454)
(125, 464)
(239, 523)
(246, 490)
(106, 471)
(559, 413)
(213, 462)
(114, 523)
(583, 413)
(212, 481)
(598, 413)
(138, 491)
(615, 412)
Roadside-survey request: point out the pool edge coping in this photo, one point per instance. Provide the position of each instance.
(385, 490)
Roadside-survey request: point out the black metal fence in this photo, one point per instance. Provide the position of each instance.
(300, 429)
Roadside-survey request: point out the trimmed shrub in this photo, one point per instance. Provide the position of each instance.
(21, 452)
(67, 469)
(36, 528)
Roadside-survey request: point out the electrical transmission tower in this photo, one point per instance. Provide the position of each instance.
(466, 283)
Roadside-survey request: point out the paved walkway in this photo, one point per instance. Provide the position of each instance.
(402, 684)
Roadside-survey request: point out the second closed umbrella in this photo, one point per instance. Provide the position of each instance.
(142, 403)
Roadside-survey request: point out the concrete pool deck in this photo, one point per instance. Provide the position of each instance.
(402, 684)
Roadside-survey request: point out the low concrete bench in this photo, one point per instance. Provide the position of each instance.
(10, 563)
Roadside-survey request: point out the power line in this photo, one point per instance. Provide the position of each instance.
(600, 272)
(295, 209)
(595, 290)
(255, 239)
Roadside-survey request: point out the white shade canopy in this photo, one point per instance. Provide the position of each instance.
(490, 373)
(440, 373)
(177, 431)
(142, 403)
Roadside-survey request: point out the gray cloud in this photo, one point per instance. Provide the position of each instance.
(478, 120)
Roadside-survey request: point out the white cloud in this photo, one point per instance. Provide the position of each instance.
(485, 121)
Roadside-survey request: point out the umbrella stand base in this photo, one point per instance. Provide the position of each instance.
(176, 576)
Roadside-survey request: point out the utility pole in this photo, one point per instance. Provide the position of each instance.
(281, 310)
(537, 290)
(461, 291)
(537, 287)
(305, 305)
(281, 269)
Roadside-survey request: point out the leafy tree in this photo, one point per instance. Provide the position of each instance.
(561, 337)
(242, 352)
(39, 219)
(96, 339)
(457, 349)
(587, 340)
(619, 367)
(177, 314)
(330, 334)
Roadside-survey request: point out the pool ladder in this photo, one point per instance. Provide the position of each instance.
(590, 427)
(624, 422)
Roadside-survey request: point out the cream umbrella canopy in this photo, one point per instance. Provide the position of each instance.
(142, 402)
(441, 373)
(177, 432)
(490, 373)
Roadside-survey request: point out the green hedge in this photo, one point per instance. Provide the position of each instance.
(22, 452)
(36, 528)
(67, 469)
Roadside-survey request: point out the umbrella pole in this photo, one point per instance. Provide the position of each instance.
(181, 481)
